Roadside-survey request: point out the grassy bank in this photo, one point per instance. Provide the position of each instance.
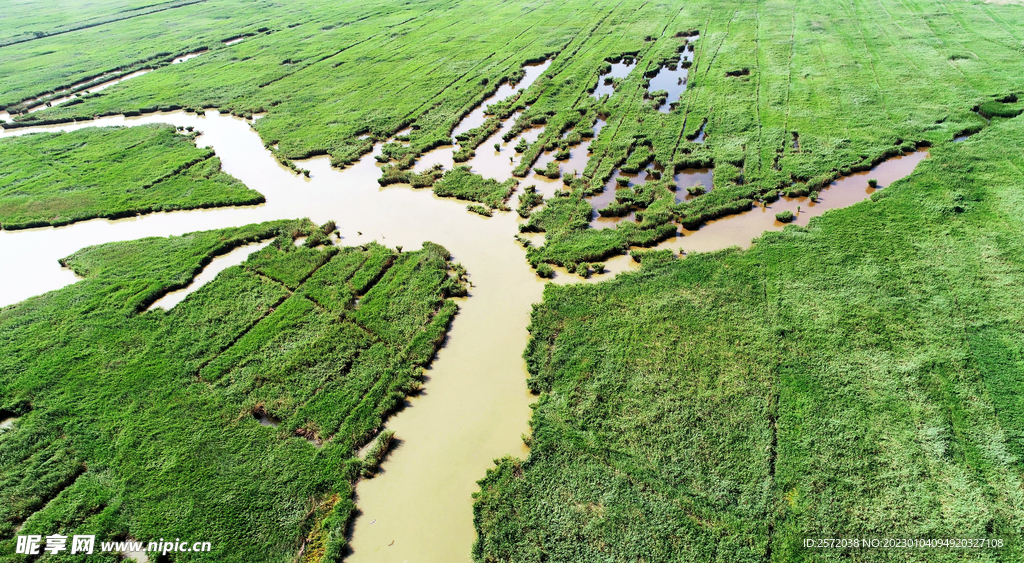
(146, 424)
(857, 378)
(60, 178)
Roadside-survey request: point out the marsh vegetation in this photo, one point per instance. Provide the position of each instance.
(821, 380)
(320, 342)
(852, 375)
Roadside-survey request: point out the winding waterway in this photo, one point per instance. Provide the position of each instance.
(475, 405)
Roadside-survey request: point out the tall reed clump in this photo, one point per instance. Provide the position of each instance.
(377, 452)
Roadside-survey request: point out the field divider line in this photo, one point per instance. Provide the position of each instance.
(597, 25)
(633, 96)
(100, 23)
(235, 340)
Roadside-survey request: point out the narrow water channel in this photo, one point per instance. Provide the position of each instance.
(741, 229)
(216, 266)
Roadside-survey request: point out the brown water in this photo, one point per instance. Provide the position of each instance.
(690, 177)
(475, 405)
(611, 187)
(216, 266)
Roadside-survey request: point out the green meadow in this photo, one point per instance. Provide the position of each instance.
(59, 178)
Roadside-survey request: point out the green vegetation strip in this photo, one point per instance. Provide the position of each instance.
(60, 178)
(145, 424)
(858, 378)
(461, 183)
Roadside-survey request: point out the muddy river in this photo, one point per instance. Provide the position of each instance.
(475, 404)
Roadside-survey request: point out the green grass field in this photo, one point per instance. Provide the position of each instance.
(60, 178)
(859, 378)
(134, 421)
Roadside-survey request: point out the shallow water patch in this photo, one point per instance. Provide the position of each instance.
(606, 81)
(688, 178)
(188, 56)
(672, 79)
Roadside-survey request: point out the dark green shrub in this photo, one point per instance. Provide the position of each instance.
(460, 182)
(785, 216)
(377, 453)
(545, 271)
(652, 257)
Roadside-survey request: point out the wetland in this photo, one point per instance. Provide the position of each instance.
(258, 216)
